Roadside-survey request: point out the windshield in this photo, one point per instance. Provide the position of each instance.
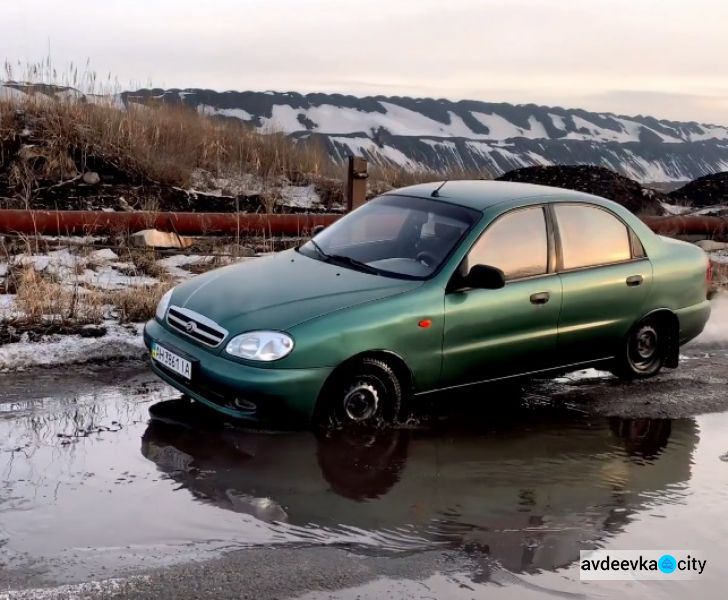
(395, 236)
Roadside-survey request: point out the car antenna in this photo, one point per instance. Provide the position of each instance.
(436, 193)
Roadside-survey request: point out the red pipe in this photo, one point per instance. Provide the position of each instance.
(83, 222)
(73, 222)
(690, 225)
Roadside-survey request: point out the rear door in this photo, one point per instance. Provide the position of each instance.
(605, 278)
(492, 333)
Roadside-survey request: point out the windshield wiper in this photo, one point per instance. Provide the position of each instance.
(318, 249)
(352, 262)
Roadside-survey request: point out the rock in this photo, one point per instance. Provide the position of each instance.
(122, 204)
(709, 190)
(91, 178)
(593, 180)
(153, 238)
(712, 245)
(103, 255)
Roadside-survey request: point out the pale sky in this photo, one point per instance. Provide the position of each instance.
(667, 58)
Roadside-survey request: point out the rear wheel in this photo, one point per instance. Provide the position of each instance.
(644, 351)
(367, 393)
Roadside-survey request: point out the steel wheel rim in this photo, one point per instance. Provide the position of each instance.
(644, 348)
(361, 402)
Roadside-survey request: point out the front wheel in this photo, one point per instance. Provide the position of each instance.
(644, 351)
(367, 393)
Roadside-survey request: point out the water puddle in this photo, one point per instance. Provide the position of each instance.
(90, 486)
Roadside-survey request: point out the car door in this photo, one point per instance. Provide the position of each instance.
(605, 277)
(490, 333)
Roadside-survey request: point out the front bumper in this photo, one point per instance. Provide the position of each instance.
(279, 395)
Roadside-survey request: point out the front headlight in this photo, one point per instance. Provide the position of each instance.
(163, 306)
(260, 345)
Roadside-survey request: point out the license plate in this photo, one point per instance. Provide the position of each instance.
(172, 361)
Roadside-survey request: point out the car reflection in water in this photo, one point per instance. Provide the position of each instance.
(528, 494)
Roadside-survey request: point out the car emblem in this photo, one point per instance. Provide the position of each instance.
(190, 327)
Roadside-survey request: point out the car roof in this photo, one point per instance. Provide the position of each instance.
(482, 194)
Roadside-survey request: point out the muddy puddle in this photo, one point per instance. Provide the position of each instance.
(91, 487)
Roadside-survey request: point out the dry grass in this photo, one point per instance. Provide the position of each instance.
(42, 300)
(145, 262)
(162, 144)
(137, 304)
(147, 143)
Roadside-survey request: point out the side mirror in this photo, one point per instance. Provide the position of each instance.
(485, 277)
(316, 230)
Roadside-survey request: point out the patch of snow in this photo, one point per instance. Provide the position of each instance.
(637, 167)
(583, 375)
(489, 151)
(174, 264)
(3, 269)
(71, 269)
(558, 121)
(76, 240)
(501, 128)
(707, 132)
(51, 262)
(10, 94)
(107, 277)
(300, 196)
(365, 146)
(338, 120)
(721, 256)
(7, 303)
(440, 144)
(118, 343)
(237, 113)
(674, 209)
(111, 100)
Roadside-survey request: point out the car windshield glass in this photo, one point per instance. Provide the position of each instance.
(396, 236)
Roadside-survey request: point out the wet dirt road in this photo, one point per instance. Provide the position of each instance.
(495, 496)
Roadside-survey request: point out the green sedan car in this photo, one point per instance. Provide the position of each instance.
(427, 288)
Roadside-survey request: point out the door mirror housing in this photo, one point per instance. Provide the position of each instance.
(316, 230)
(485, 277)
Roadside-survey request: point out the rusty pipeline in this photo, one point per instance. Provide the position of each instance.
(72, 222)
(688, 225)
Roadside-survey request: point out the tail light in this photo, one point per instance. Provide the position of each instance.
(709, 274)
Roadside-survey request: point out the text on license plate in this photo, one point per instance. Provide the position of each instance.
(173, 362)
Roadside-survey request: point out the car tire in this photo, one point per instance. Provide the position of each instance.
(367, 393)
(643, 352)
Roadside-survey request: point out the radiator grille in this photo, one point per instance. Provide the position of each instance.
(196, 326)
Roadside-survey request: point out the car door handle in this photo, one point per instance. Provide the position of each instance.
(634, 280)
(540, 298)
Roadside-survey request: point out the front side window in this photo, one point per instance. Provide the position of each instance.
(395, 236)
(516, 243)
(591, 236)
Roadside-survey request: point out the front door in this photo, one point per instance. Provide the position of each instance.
(495, 333)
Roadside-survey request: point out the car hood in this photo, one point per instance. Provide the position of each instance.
(280, 291)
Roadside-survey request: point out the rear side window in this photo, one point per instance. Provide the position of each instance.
(591, 236)
(516, 243)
